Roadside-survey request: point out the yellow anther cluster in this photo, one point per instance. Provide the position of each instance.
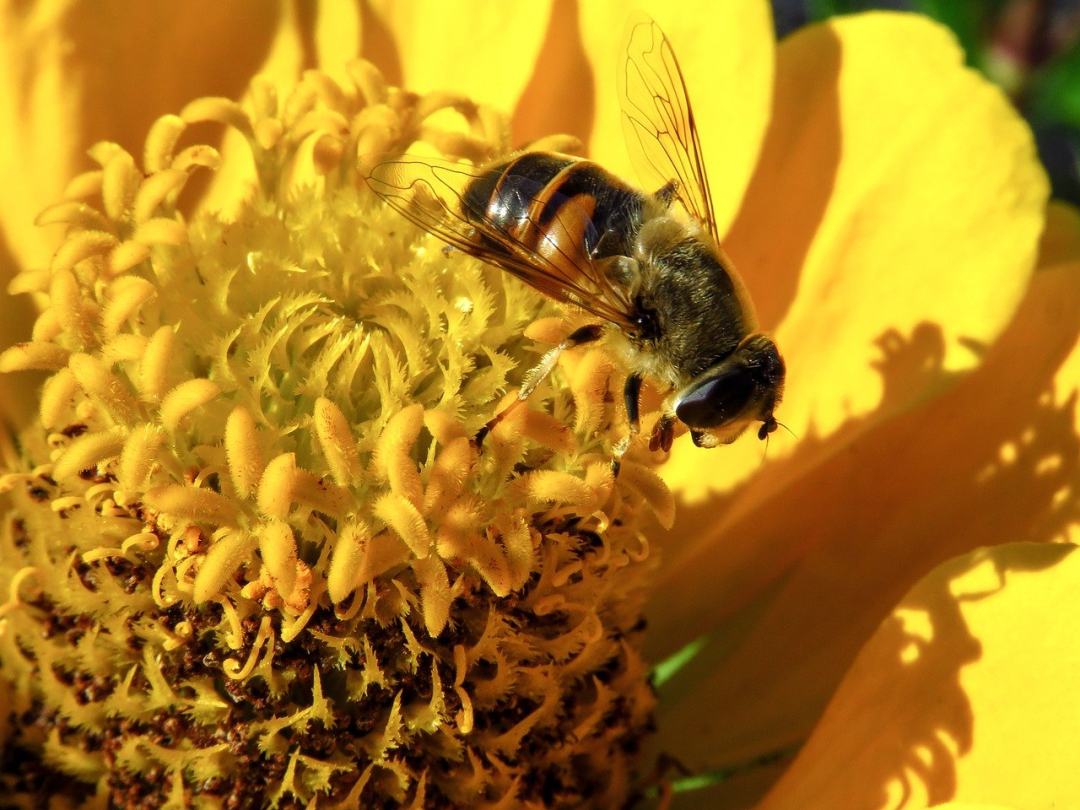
(251, 555)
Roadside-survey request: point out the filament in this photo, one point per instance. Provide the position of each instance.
(14, 601)
(264, 636)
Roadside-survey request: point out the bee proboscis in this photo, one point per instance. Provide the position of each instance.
(655, 278)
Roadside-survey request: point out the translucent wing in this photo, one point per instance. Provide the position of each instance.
(658, 121)
(441, 198)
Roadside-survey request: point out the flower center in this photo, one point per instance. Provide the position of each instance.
(251, 552)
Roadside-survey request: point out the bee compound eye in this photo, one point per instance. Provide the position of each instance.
(718, 397)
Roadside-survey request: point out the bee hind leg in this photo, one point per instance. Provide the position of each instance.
(666, 193)
(537, 374)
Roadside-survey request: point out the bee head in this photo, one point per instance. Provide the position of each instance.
(743, 387)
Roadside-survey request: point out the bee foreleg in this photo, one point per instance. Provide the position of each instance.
(632, 402)
(537, 374)
(663, 433)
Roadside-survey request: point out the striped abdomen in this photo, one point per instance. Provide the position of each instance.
(564, 208)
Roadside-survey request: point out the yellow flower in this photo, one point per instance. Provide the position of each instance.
(251, 553)
(885, 208)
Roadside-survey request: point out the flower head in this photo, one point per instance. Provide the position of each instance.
(883, 204)
(254, 553)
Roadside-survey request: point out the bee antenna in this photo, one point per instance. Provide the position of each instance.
(794, 435)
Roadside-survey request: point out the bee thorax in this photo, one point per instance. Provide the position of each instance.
(658, 235)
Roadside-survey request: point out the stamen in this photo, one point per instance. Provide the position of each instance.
(14, 600)
(265, 636)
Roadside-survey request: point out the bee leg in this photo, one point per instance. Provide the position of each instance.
(667, 192)
(632, 402)
(478, 439)
(663, 433)
(536, 375)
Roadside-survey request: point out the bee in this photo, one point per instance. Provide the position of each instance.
(647, 266)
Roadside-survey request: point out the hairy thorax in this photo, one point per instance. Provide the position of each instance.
(693, 311)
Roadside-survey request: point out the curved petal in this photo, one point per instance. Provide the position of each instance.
(895, 188)
(338, 34)
(791, 586)
(477, 49)
(725, 51)
(965, 693)
(560, 97)
(76, 73)
(16, 320)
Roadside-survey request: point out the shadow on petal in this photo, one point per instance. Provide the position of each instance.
(478, 49)
(793, 182)
(377, 44)
(135, 62)
(736, 791)
(800, 579)
(560, 96)
(988, 636)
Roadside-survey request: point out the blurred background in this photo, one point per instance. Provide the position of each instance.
(1030, 48)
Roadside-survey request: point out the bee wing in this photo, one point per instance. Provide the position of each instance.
(658, 122)
(434, 195)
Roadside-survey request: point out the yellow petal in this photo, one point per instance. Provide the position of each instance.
(725, 51)
(287, 50)
(338, 32)
(73, 74)
(16, 321)
(794, 576)
(480, 49)
(964, 693)
(896, 188)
